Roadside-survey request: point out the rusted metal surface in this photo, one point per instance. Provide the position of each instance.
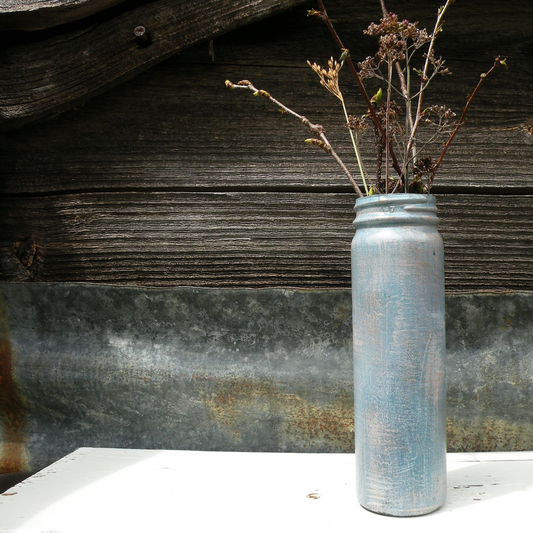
(300, 420)
(240, 370)
(488, 435)
(12, 407)
(184, 368)
(490, 372)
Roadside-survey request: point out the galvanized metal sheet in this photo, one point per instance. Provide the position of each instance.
(226, 369)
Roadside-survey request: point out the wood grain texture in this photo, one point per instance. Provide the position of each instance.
(177, 126)
(32, 15)
(170, 179)
(62, 71)
(245, 239)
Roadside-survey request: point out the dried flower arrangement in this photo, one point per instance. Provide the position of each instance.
(403, 165)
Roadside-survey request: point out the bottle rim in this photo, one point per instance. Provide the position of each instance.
(396, 209)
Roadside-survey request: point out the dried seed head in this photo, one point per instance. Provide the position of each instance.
(442, 112)
(424, 166)
(395, 37)
(357, 124)
(329, 78)
(367, 68)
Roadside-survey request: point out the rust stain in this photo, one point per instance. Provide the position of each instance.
(488, 435)
(300, 422)
(12, 407)
(328, 425)
(311, 420)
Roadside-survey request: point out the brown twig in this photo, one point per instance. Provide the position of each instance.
(324, 16)
(316, 129)
(424, 77)
(462, 119)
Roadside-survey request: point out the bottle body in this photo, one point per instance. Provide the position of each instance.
(399, 355)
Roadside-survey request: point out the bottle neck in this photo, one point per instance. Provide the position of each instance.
(396, 209)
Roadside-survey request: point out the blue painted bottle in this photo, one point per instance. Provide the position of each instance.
(399, 355)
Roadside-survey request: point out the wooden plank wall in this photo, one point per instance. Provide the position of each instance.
(170, 179)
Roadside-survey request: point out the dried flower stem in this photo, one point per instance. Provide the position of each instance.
(316, 129)
(404, 84)
(330, 80)
(355, 149)
(405, 87)
(423, 85)
(462, 118)
(398, 43)
(372, 112)
(387, 128)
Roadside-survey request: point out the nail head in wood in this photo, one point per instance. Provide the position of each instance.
(142, 35)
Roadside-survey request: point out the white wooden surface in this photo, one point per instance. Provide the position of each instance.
(113, 490)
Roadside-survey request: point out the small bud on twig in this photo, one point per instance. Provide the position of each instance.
(319, 143)
(316, 129)
(263, 93)
(502, 62)
(376, 99)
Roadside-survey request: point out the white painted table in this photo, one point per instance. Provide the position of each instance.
(101, 490)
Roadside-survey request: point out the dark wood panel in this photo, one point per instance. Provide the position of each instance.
(176, 126)
(488, 241)
(244, 239)
(31, 15)
(62, 71)
(171, 179)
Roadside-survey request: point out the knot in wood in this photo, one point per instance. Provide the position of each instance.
(25, 251)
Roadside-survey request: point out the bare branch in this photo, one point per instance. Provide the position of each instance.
(324, 16)
(316, 129)
(462, 118)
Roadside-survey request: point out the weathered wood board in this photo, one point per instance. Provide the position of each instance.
(171, 180)
(40, 14)
(178, 126)
(65, 67)
(244, 239)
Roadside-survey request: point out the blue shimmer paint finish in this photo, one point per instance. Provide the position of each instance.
(399, 355)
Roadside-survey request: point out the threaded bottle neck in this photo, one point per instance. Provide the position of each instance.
(395, 209)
